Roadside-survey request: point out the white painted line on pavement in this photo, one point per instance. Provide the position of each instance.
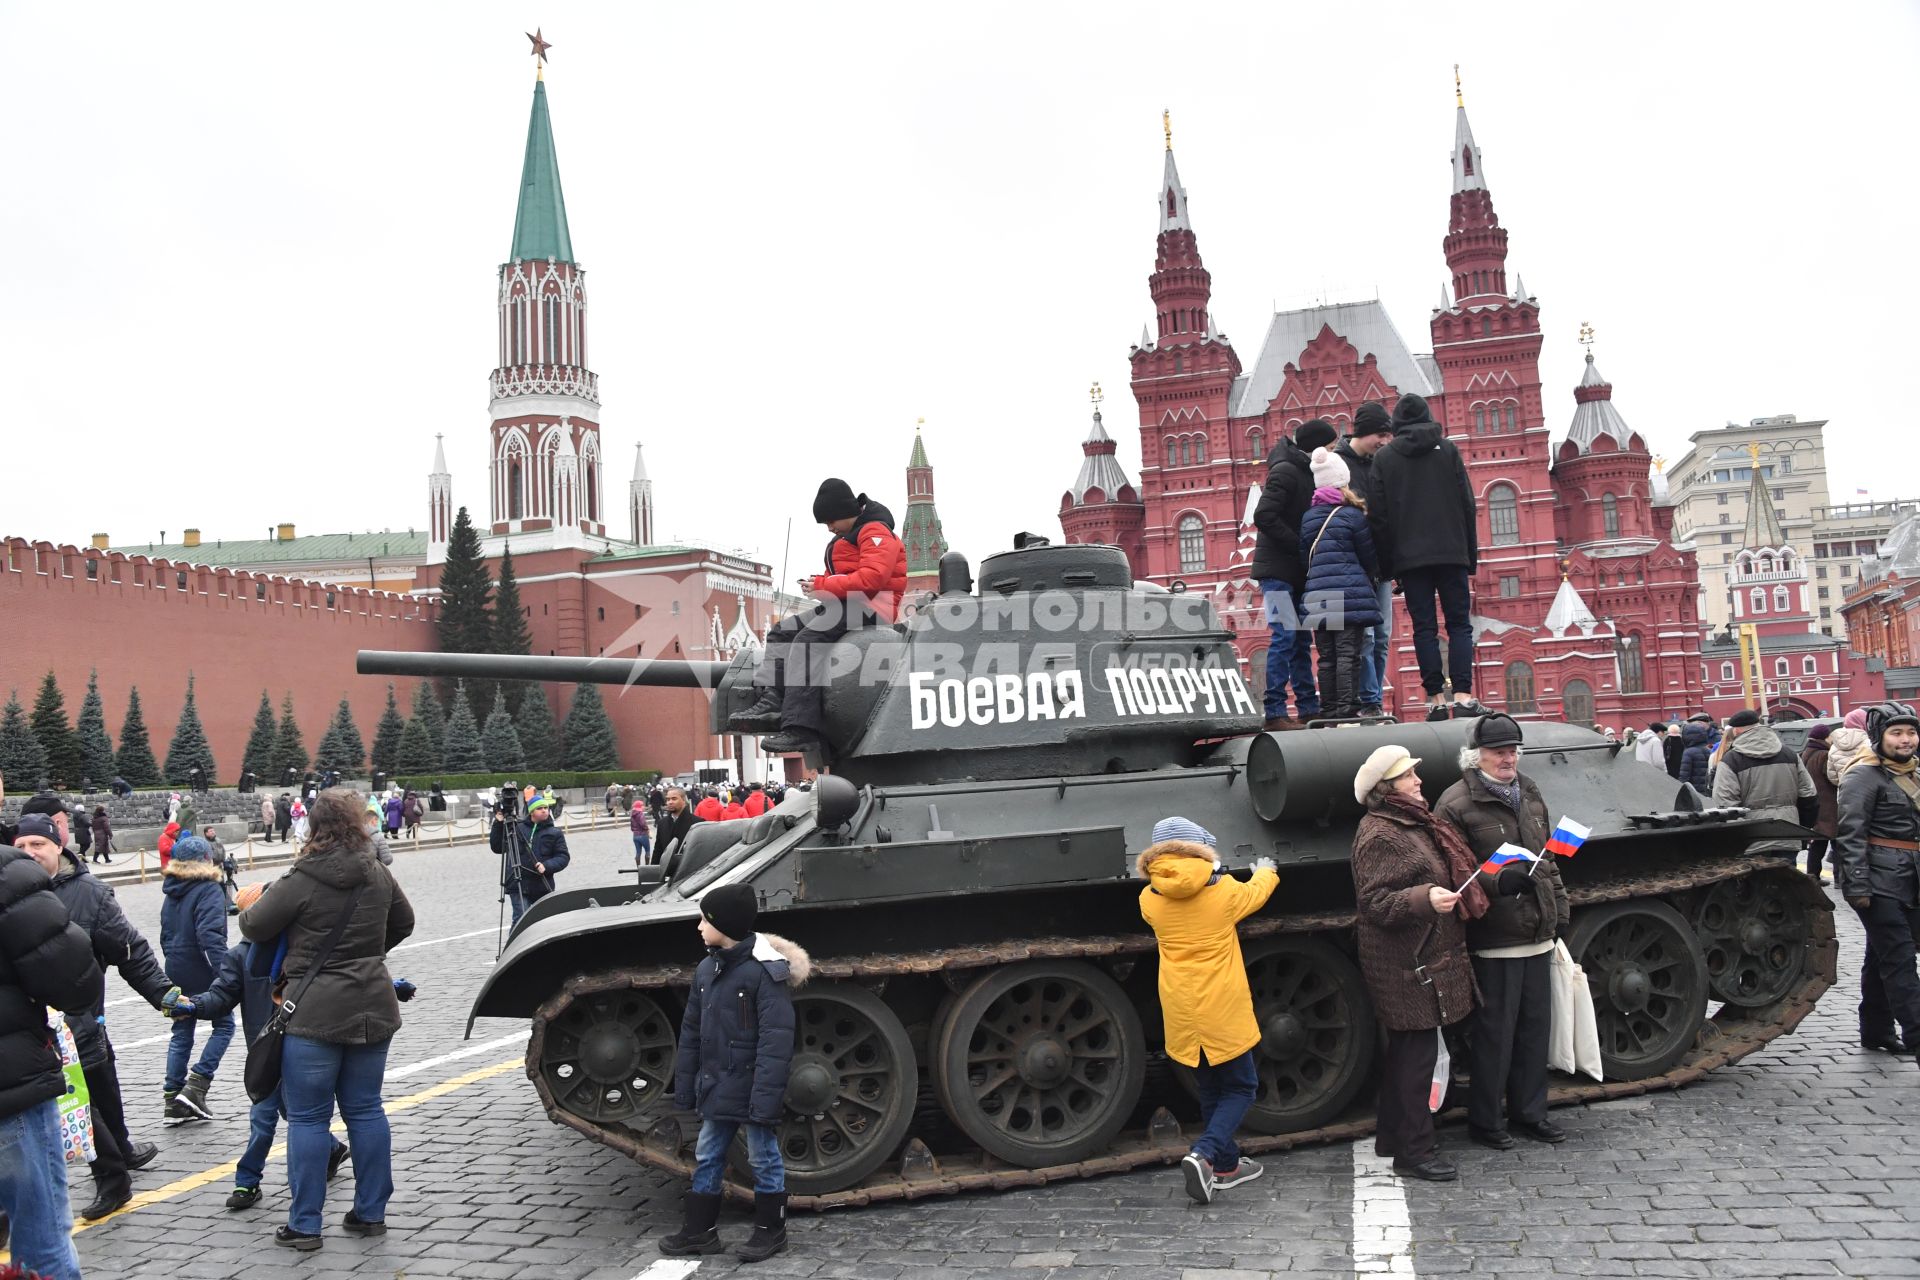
(669, 1269)
(415, 1068)
(1382, 1228)
(135, 1044)
(428, 942)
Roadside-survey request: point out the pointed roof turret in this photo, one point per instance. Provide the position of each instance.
(919, 455)
(540, 223)
(1099, 469)
(1594, 415)
(439, 454)
(1173, 196)
(1568, 610)
(1468, 172)
(1763, 525)
(639, 463)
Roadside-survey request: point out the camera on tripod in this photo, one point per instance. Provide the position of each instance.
(506, 802)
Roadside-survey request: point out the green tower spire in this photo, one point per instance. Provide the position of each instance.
(540, 223)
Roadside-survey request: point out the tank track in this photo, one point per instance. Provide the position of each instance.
(1728, 1036)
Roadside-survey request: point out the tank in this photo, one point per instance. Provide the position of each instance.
(983, 1011)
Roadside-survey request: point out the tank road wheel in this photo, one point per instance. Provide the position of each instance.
(1754, 933)
(609, 1056)
(850, 1091)
(1041, 1063)
(1649, 984)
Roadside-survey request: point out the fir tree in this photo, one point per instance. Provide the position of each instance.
(510, 633)
(95, 747)
(464, 753)
(341, 747)
(23, 761)
(386, 737)
(415, 757)
(465, 623)
(539, 737)
(289, 749)
(498, 741)
(189, 746)
(134, 760)
(588, 733)
(258, 759)
(427, 713)
(65, 763)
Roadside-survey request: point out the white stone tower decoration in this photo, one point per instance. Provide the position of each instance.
(439, 503)
(640, 498)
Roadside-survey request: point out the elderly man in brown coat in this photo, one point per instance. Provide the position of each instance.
(1409, 869)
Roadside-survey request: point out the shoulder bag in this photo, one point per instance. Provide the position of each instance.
(263, 1055)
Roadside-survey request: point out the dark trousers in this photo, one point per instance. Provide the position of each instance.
(111, 1142)
(1341, 653)
(1405, 1127)
(1889, 986)
(1816, 853)
(1509, 1030)
(795, 662)
(1449, 583)
(1227, 1090)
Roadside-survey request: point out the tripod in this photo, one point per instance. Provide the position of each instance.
(512, 849)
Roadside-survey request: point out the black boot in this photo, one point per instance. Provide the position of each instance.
(697, 1234)
(763, 716)
(769, 1227)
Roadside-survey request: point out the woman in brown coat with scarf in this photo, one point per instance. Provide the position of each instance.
(1413, 947)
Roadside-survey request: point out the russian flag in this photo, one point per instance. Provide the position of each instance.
(1506, 855)
(1567, 838)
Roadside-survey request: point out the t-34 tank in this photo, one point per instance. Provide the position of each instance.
(983, 1011)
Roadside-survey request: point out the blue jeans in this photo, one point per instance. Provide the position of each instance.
(180, 1048)
(1226, 1091)
(312, 1074)
(763, 1153)
(262, 1119)
(1289, 653)
(1449, 582)
(519, 903)
(642, 850)
(33, 1191)
(1373, 663)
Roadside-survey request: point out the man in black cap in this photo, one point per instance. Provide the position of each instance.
(1372, 428)
(1512, 944)
(1281, 571)
(866, 575)
(1427, 535)
(1876, 858)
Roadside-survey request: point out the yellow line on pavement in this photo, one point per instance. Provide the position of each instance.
(193, 1182)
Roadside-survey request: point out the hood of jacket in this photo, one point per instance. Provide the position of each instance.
(342, 867)
(784, 959)
(1415, 438)
(1291, 454)
(1760, 742)
(1177, 868)
(181, 876)
(871, 513)
(1698, 735)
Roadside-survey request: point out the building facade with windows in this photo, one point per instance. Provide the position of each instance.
(1882, 607)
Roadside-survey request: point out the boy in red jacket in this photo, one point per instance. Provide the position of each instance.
(866, 574)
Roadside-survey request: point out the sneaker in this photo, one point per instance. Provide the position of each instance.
(1246, 1171)
(336, 1159)
(1437, 712)
(288, 1238)
(243, 1197)
(1373, 712)
(1468, 710)
(1199, 1177)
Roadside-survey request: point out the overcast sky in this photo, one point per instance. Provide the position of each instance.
(253, 248)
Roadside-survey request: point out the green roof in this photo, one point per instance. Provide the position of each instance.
(540, 224)
(315, 548)
(919, 458)
(647, 552)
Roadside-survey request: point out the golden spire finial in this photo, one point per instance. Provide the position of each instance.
(919, 423)
(1586, 338)
(1459, 99)
(1166, 126)
(1753, 451)
(1660, 463)
(1097, 396)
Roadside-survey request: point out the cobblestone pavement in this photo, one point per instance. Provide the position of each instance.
(1804, 1160)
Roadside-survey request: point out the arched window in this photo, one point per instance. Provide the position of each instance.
(1503, 511)
(1170, 453)
(1726, 671)
(1480, 419)
(1610, 514)
(1809, 666)
(1520, 687)
(1781, 600)
(1486, 326)
(515, 487)
(1257, 442)
(1466, 161)
(1193, 545)
(1173, 209)
(1512, 419)
(1780, 666)
(1200, 449)
(593, 495)
(1758, 599)
(550, 329)
(1626, 653)
(1577, 701)
(1186, 452)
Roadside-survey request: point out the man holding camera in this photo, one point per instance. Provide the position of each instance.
(536, 850)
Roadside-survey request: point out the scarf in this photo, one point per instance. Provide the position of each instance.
(1506, 792)
(1461, 862)
(1906, 776)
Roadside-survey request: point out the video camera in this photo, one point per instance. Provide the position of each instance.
(506, 801)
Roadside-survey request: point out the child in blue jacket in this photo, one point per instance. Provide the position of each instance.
(1341, 605)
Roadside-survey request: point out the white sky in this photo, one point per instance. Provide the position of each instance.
(254, 247)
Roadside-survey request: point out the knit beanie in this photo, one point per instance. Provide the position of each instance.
(1372, 419)
(1330, 469)
(1819, 733)
(836, 501)
(37, 824)
(191, 849)
(1410, 409)
(1181, 829)
(731, 909)
(1855, 719)
(1314, 433)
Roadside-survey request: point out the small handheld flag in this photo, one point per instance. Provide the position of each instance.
(1567, 837)
(1506, 855)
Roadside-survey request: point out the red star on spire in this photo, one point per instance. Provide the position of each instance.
(540, 46)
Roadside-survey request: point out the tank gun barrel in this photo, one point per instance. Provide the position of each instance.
(660, 673)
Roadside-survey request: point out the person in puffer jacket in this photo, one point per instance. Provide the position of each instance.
(1341, 606)
(1696, 756)
(736, 1045)
(1848, 746)
(193, 938)
(1758, 773)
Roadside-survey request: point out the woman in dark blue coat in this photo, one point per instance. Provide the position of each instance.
(1340, 604)
(1696, 757)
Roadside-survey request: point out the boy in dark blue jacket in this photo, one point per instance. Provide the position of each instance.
(742, 995)
(193, 938)
(247, 978)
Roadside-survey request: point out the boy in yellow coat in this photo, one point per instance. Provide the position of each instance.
(1193, 906)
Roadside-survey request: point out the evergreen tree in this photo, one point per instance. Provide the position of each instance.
(427, 712)
(341, 747)
(23, 762)
(289, 749)
(95, 747)
(134, 760)
(386, 737)
(498, 741)
(588, 733)
(415, 756)
(539, 737)
(65, 764)
(510, 633)
(465, 623)
(258, 758)
(189, 746)
(464, 752)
